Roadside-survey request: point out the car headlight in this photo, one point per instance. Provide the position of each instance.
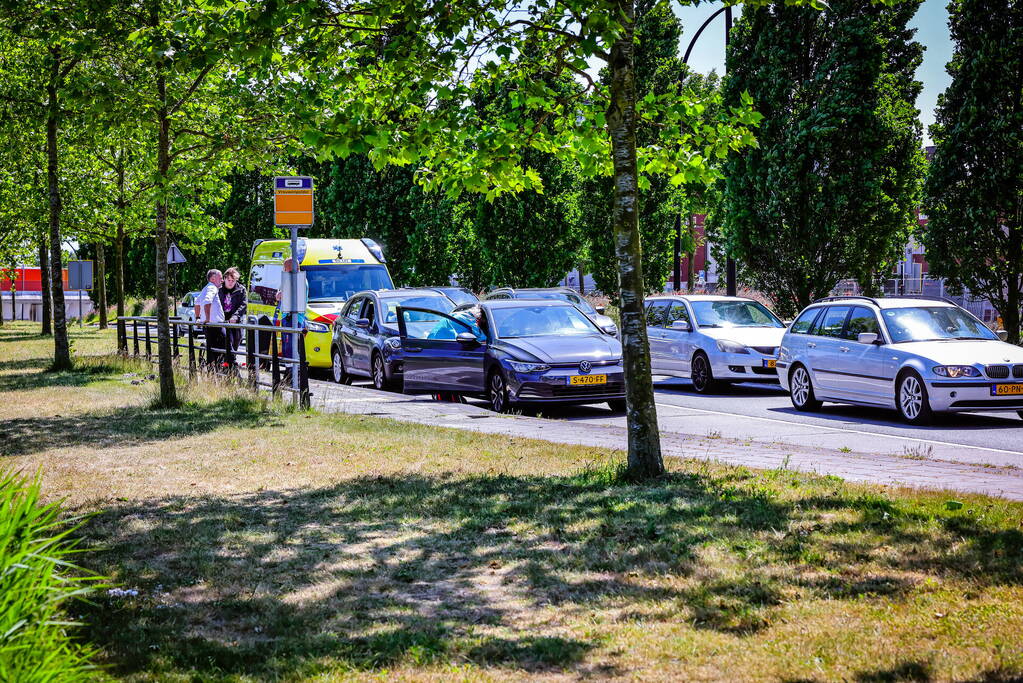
(726, 346)
(316, 327)
(394, 342)
(611, 329)
(519, 366)
(956, 371)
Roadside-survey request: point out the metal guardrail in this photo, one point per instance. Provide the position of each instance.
(144, 334)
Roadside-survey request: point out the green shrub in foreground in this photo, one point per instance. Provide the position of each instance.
(36, 580)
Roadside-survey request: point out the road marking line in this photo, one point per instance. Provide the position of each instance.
(839, 429)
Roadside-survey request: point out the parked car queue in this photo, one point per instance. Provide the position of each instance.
(917, 356)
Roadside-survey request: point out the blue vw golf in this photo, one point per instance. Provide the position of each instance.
(511, 353)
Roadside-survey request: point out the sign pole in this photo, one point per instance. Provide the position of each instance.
(296, 339)
(293, 207)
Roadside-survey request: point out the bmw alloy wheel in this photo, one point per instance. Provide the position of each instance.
(801, 390)
(912, 400)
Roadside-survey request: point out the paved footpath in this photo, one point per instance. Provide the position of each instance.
(912, 471)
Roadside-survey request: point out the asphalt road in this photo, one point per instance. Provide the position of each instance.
(763, 413)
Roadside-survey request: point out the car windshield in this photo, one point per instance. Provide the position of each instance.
(538, 321)
(560, 296)
(733, 314)
(460, 296)
(433, 303)
(930, 323)
(339, 282)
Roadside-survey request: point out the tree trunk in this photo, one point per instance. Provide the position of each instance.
(690, 275)
(168, 394)
(61, 347)
(101, 277)
(644, 439)
(119, 244)
(1010, 316)
(44, 286)
(119, 275)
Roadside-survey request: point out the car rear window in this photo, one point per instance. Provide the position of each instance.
(655, 313)
(804, 321)
(831, 322)
(861, 320)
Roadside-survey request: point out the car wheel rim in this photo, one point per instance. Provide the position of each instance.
(800, 387)
(700, 374)
(911, 397)
(497, 392)
(378, 372)
(339, 368)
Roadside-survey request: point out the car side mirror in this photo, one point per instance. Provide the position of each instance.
(1002, 334)
(867, 337)
(466, 338)
(600, 309)
(680, 325)
(362, 323)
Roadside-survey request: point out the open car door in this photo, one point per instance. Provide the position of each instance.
(442, 353)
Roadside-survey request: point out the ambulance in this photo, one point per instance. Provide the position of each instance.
(334, 271)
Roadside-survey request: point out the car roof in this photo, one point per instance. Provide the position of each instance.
(406, 292)
(521, 303)
(886, 301)
(564, 290)
(697, 297)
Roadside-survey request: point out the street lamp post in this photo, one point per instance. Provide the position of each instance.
(730, 262)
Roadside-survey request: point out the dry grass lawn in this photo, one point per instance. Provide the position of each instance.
(266, 544)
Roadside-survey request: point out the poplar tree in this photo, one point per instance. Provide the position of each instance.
(831, 188)
(974, 189)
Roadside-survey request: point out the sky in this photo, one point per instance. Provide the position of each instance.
(931, 22)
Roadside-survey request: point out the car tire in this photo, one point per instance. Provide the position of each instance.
(702, 375)
(911, 399)
(801, 390)
(497, 392)
(617, 405)
(337, 368)
(379, 373)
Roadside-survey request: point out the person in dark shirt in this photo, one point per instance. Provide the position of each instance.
(233, 298)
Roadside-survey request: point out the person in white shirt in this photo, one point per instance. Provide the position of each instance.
(210, 311)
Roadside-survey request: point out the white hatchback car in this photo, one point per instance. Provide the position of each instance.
(713, 339)
(920, 356)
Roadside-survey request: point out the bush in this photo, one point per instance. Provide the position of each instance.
(37, 579)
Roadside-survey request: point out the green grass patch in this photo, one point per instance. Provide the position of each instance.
(257, 543)
(37, 584)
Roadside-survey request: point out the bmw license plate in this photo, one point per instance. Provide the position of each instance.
(770, 362)
(587, 379)
(1007, 389)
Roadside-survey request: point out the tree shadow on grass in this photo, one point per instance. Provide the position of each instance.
(415, 571)
(26, 364)
(128, 426)
(80, 375)
(19, 336)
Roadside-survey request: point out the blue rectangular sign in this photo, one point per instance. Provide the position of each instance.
(293, 183)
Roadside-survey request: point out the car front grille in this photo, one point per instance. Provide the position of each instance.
(1017, 371)
(535, 390)
(997, 371)
(766, 350)
(757, 370)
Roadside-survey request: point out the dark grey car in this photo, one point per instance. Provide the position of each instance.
(365, 340)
